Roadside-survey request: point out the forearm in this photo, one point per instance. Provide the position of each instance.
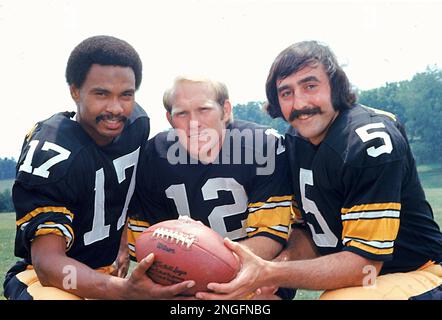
(72, 276)
(332, 271)
(263, 247)
(299, 247)
(55, 269)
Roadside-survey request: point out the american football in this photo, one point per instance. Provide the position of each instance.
(185, 249)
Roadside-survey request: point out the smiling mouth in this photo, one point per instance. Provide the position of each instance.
(304, 114)
(202, 133)
(110, 119)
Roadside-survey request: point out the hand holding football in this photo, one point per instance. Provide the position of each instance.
(185, 249)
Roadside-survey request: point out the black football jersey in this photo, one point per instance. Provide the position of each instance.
(239, 195)
(68, 186)
(358, 190)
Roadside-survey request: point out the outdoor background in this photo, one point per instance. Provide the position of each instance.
(389, 49)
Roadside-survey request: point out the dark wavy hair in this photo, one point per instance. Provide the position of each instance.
(298, 56)
(102, 50)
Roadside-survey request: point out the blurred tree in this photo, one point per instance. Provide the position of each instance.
(252, 111)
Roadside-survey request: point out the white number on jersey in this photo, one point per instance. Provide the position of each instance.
(365, 136)
(99, 229)
(327, 238)
(43, 170)
(209, 191)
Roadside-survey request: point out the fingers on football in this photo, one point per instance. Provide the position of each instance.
(176, 289)
(237, 248)
(143, 266)
(226, 288)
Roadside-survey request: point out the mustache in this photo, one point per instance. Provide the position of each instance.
(110, 117)
(307, 111)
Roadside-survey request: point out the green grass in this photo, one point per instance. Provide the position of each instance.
(7, 235)
(430, 175)
(431, 179)
(434, 197)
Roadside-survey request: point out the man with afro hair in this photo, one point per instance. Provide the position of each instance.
(75, 178)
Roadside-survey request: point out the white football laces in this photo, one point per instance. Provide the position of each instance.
(172, 235)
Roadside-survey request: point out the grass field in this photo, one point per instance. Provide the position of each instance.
(7, 233)
(431, 178)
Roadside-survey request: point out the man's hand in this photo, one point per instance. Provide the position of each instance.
(122, 263)
(140, 286)
(250, 277)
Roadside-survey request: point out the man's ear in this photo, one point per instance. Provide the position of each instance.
(227, 109)
(169, 118)
(75, 93)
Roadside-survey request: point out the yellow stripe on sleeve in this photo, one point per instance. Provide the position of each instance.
(373, 207)
(269, 217)
(383, 229)
(280, 234)
(370, 249)
(296, 215)
(134, 230)
(139, 223)
(40, 210)
(62, 230)
(132, 237)
(270, 200)
(45, 231)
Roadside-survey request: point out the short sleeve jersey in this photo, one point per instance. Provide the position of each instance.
(358, 190)
(245, 192)
(69, 186)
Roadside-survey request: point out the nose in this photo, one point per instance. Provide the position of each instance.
(299, 101)
(194, 125)
(115, 106)
(195, 120)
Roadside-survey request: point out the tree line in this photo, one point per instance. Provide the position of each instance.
(417, 103)
(7, 168)
(7, 171)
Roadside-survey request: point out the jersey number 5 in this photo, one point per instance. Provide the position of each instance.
(365, 136)
(327, 238)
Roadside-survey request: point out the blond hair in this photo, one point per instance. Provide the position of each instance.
(219, 89)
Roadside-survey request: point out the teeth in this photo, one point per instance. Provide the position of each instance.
(304, 116)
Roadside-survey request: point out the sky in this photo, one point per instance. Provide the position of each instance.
(231, 41)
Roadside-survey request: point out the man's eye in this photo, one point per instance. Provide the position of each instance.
(311, 86)
(285, 94)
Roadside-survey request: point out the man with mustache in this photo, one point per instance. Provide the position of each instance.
(367, 231)
(75, 178)
(230, 175)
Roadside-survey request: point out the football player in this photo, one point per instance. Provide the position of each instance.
(75, 178)
(230, 175)
(369, 231)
